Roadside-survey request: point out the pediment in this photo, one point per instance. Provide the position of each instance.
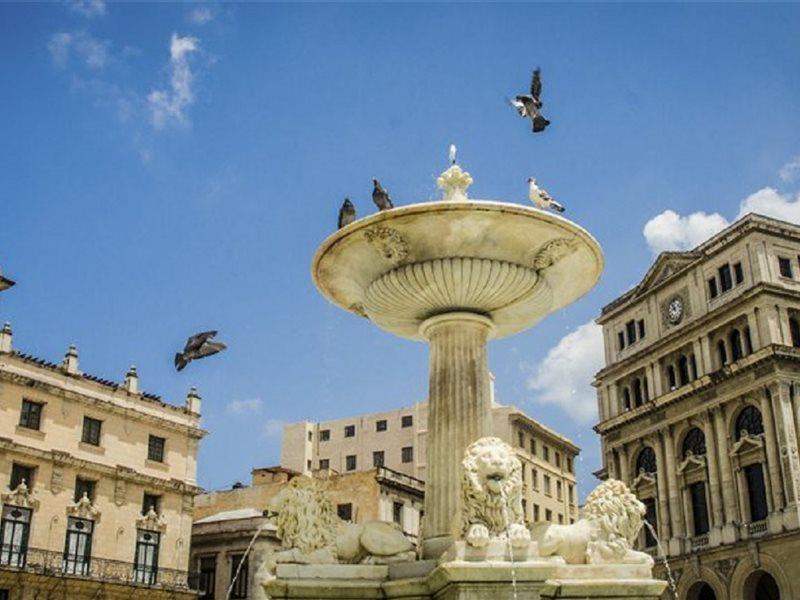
(691, 462)
(643, 479)
(666, 265)
(746, 443)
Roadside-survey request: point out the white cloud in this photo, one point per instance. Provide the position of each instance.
(790, 171)
(88, 8)
(273, 428)
(565, 374)
(169, 105)
(238, 407)
(200, 15)
(671, 231)
(91, 51)
(768, 201)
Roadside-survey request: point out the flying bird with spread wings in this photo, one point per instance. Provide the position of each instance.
(347, 213)
(530, 106)
(198, 346)
(540, 198)
(380, 196)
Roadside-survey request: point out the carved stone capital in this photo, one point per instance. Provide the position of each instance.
(21, 496)
(553, 251)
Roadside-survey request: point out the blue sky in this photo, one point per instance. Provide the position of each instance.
(173, 167)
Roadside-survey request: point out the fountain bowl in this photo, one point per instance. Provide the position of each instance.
(510, 263)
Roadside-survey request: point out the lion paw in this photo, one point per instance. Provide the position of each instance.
(478, 535)
(519, 535)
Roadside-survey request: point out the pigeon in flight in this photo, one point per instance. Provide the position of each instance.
(198, 346)
(381, 197)
(540, 198)
(529, 107)
(453, 151)
(347, 214)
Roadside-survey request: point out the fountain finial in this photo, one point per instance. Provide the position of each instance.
(454, 181)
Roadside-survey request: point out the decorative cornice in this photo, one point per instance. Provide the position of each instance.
(21, 496)
(152, 521)
(84, 509)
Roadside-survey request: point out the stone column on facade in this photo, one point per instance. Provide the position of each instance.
(624, 471)
(712, 451)
(613, 401)
(773, 455)
(726, 475)
(787, 442)
(705, 350)
(699, 359)
(675, 500)
(783, 325)
(611, 468)
(459, 414)
(664, 526)
(657, 388)
(755, 334)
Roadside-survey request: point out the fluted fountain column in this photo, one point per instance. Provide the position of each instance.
(459, 412)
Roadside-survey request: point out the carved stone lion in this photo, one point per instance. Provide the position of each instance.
(611, 520)
(491, 492)
(312, 533)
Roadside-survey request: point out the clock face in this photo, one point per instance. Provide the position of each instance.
(675, 310)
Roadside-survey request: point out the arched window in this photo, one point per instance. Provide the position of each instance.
(683, 369)
(626, 398)
(794, 329)
(637, 392)
(749, 421)
(735, 339)
(748, 341)
(671, 377)
(646, 461)
(693, 366)
(722, 353)
(694, 443)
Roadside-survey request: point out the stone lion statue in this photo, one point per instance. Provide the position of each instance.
(610, 521)
(491, 493)
(312, 533)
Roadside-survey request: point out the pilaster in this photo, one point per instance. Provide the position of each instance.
(726, 476)
(787, 442)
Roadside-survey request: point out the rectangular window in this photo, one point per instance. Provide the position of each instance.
(785, 266)
(30, 415)
(407, 421)
(548, 515)
(712, 287)
(571, 493)
(558, 459)
(207, 579)
(151, 501)
(738, 274)
(697, 491)
(397, 512)
(560, 519)
(533, 446)
(535, 479)
(525, 509)
(310, 436)
(756, 492)
(547, 489)
(535, 513)
(349, 431)
(650, 517)
(345, 511)
(725, 279)
(20, 473)
(239, 571)
(377, 458)
(630, 331)
(521, 439)
(324, 464)
(350, 462)
(407, 454)
(380, 425)
(640, 327)
(91, 431)
(155, 448)
(78, 546)
(569, 464)
(620, 340)
(145, 560)
(324, 435)
(84, 486)
(15, 528)
(546, 453)
(559, 492)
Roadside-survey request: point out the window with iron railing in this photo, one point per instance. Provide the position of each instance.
(15, 528)
(78, 546)
(207, 579)
(145, 562)
(239, 571)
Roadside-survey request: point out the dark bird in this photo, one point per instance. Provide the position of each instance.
(347, 214)
(198, 346)
(529, 107)
(381, 197)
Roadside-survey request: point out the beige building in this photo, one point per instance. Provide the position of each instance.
(228, 521)
(699, 407)
(98, 481)
(397, 440)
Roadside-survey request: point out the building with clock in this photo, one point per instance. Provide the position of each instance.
(699, 405)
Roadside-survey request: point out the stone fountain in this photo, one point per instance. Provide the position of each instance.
(457, 273)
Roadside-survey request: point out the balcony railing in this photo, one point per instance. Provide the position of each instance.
(52, 563)
(390, 475)
(757, 528)
(699, 541)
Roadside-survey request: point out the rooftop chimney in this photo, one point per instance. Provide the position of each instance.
(193, 401)
(5, 339)
(70, 364)
(132, 380)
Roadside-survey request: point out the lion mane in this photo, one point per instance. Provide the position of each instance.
(306, 519)
(496, 510)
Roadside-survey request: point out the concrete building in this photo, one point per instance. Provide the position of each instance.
(397, 440)
(98, 482)
(228, 521)
(699, 404)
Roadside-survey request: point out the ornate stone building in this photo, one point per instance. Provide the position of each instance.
(699, 405)
(97, 482)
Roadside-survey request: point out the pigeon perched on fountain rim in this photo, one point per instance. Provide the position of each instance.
(198, 346)
(347, 213)
(529, 106)
(540, 198)
(380, 196)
